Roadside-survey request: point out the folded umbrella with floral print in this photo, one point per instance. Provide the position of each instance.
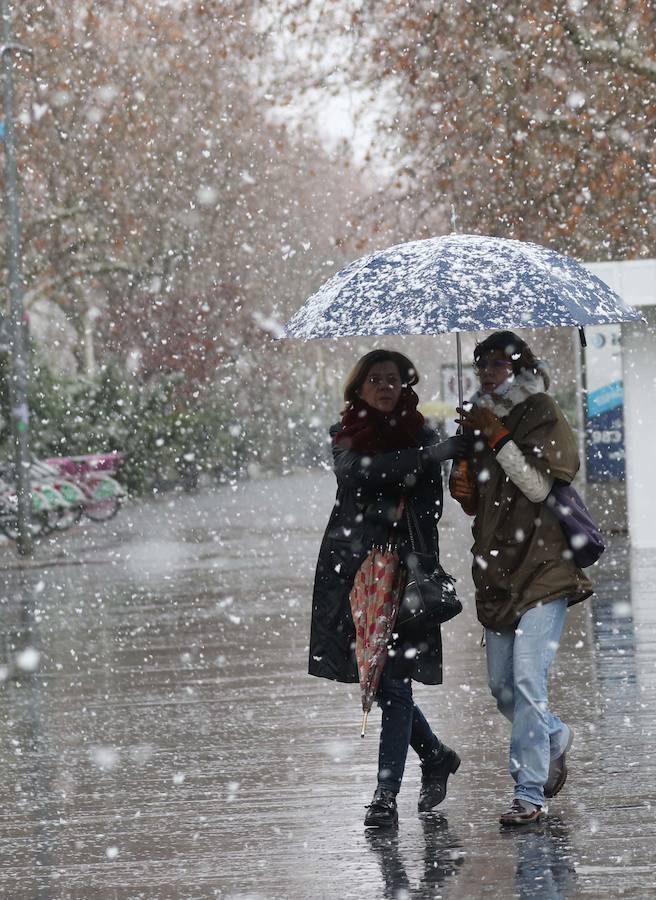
(375, 598)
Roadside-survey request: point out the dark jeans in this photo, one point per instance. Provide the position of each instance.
(403, 726)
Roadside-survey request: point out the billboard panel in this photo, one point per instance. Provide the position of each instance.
(604, 433)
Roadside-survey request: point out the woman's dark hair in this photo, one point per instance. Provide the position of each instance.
(358, 375)
(512, 346)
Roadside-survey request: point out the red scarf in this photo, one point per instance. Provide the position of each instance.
(368, 431)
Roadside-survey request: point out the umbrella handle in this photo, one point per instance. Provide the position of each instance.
(365, 715)
(462, 467)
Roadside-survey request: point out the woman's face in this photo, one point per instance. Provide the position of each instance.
(382, 386)
(493, 369)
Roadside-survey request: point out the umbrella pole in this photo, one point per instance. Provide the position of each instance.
(460, 465)
(454, 228)
(365, 716)
(459, 364)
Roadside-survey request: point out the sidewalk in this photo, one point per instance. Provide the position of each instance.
(170, 744)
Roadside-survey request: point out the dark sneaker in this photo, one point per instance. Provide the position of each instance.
(521, 812)
(558, 771)
(382, 812)
(434, 777)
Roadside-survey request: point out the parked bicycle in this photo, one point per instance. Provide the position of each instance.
(93, 474)
(63, 489)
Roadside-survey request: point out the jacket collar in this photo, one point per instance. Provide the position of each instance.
(514, 391)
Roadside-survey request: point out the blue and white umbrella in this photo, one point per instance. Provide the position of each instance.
(459, 282)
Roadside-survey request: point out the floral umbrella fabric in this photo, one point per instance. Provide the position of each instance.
(375, 598)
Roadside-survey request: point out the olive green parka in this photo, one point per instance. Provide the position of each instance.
(520, 556)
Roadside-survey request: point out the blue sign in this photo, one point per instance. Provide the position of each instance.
(604, 430)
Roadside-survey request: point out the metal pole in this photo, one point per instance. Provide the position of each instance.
(581, 406)
(459, 367)
(18, 374)
(454, 229)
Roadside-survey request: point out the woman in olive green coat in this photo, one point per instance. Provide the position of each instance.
(523, 570)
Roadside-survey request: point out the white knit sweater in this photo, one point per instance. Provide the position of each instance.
(533, 484)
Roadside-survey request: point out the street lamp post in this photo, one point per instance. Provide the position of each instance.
(18, 374)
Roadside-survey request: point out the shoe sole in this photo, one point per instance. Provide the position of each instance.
(394, 824)
(570, 741)
(518, 823)
(559, 785)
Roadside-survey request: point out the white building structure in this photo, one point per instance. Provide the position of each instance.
(635, 282)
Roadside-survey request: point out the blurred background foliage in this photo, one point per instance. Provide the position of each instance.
(191, 172)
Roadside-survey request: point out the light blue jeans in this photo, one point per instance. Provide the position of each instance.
(518, 663)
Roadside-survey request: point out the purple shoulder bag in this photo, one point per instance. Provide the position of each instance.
(581, 533)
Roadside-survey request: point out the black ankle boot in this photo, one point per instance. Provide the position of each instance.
(434, 775)
(382, 812)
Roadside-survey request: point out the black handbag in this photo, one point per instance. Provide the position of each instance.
(429, 597)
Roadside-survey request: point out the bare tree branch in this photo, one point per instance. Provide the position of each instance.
(592, 49)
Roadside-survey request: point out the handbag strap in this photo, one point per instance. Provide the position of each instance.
(392, 539)
(411, 518)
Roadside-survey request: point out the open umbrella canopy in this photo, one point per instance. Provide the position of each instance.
(459, 282)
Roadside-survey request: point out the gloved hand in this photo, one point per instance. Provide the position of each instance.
(455, 447)
(484, 420)
(462, 487)
(461, 483)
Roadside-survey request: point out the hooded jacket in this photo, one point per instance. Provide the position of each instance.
(521, 558)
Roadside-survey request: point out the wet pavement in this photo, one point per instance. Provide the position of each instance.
(160, 738)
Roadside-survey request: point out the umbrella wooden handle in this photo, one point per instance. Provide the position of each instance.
(364, 722)
(462, 467)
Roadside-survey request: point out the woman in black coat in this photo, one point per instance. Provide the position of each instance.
(383, 452)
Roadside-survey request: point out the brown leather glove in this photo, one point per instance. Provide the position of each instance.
(481, 419)
(462, 487)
